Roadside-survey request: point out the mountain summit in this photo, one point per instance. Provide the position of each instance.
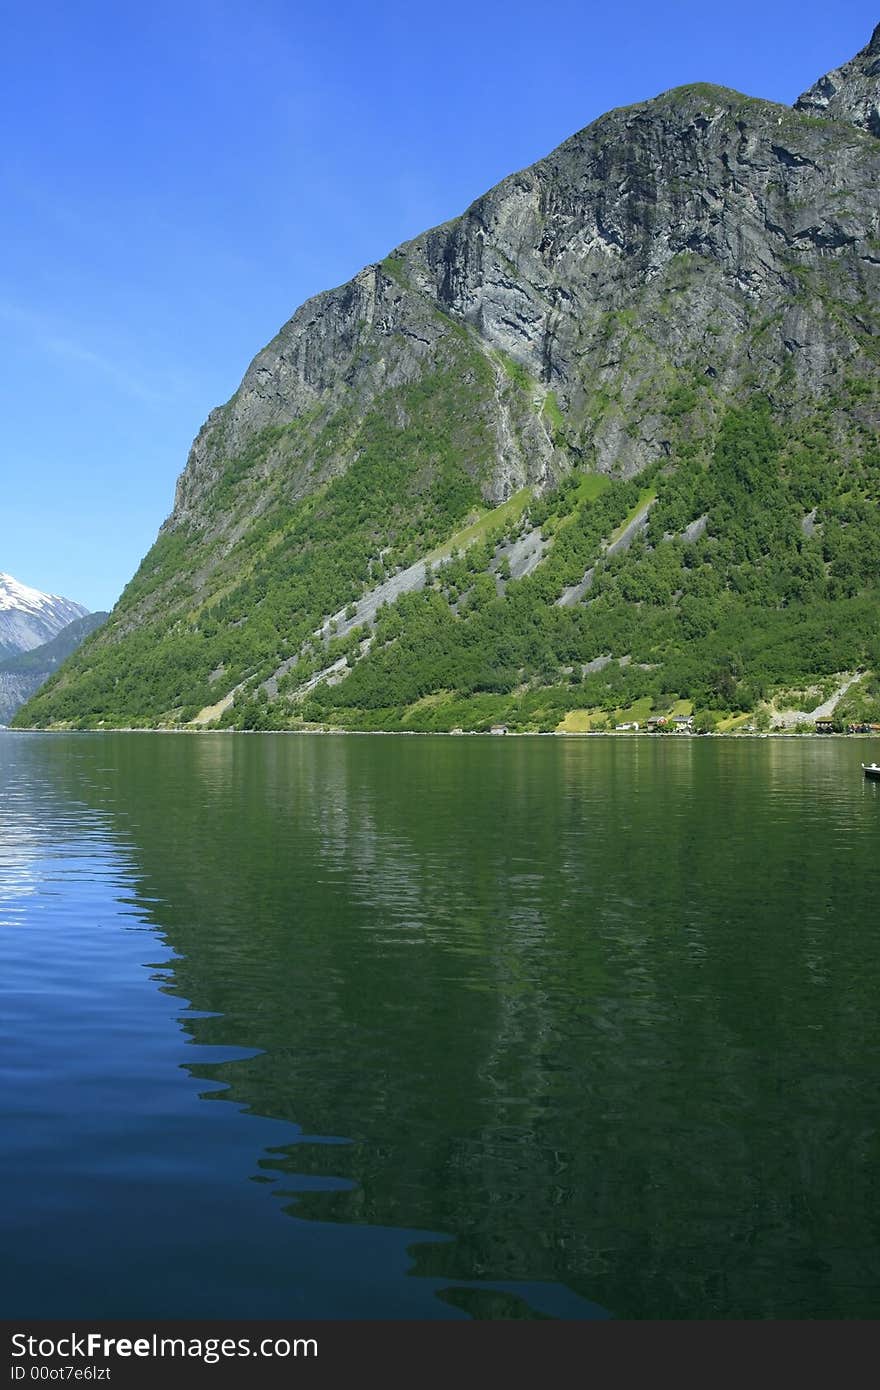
(607, 438)
(28, 617)
(849, 93)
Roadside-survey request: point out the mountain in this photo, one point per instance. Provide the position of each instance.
(605, 443)
(28, 618)
(22, 674)
(849, 93)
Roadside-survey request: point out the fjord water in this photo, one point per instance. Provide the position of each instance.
(424, 1027)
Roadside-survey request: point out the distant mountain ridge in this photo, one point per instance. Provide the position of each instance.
(607, 442)
(28, 617)
(23, 673)
(37, 633)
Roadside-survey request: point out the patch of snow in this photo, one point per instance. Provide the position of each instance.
(28, 617)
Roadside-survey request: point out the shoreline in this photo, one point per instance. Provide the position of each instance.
(447, 733)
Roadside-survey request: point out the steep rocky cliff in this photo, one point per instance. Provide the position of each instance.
(606, 312)
(849, 93)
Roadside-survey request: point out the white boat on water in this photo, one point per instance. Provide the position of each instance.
(872, 770)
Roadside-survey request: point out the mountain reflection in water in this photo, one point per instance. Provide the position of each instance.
(500, 1027)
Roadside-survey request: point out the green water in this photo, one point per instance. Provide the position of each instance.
(440, 1027)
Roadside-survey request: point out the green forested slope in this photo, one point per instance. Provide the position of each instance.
(752, 606)
(679, 307)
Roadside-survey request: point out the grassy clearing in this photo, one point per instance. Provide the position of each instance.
(439, 697)
(395, 268)
(590, 487)
(681, 709)
(582, 721)
(729, 723)
(503, 517)
(515, 371)
(644, 498)
(579, 721)
(552, 413)
(637, 712)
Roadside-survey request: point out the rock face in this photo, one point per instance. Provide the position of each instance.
(699, 215)
(15, 689)
(849, 93)
(29, 618)
(599, 310)
(22, 674)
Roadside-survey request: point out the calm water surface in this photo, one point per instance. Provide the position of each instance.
(374, 1027)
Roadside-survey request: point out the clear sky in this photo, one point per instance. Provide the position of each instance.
(178, 176)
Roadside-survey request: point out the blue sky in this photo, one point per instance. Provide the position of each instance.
(178, 177)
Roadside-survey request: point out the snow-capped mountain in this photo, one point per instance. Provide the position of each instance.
(28, 618)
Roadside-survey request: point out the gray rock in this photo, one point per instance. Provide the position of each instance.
(701, 231)
(695, 529)
(16, 688)
(636, 526)
(523, 554)
(849, 93)
(22, 673)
